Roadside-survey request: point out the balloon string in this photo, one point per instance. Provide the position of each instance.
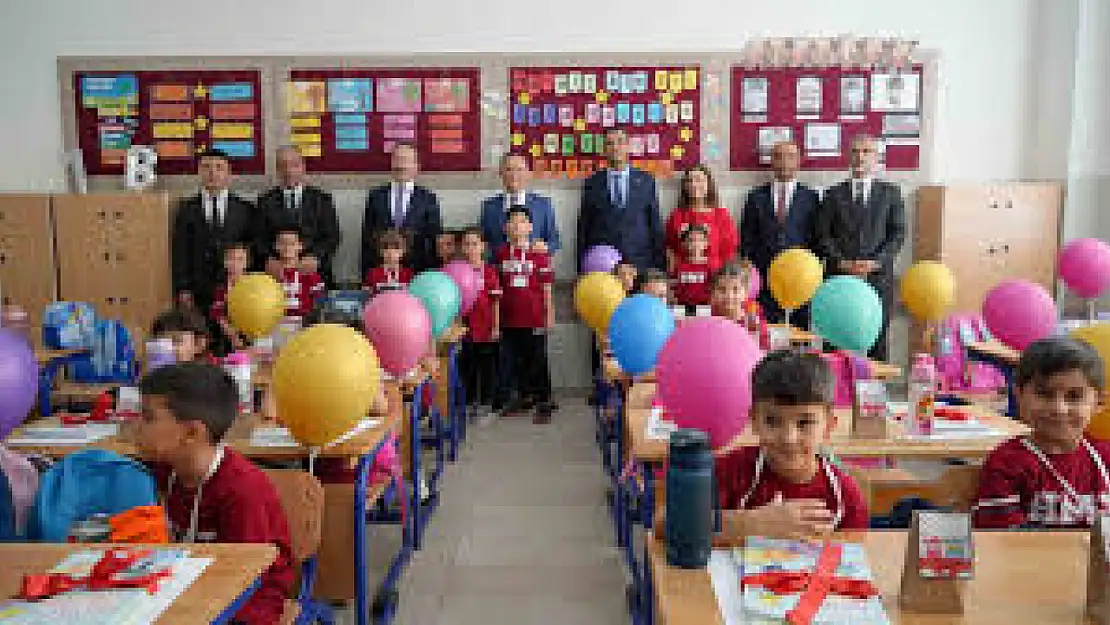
(313, 452)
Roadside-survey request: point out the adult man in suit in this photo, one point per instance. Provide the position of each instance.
(405, 205)
(777, 216)
(515, 175)
(861, 227)
(310, 208)
(620, 207)
(203, 225)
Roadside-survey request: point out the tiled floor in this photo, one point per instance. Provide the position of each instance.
(522, 535)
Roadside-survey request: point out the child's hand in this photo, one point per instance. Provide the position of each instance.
(539, 246)
(309, 263)
(549, 322)
(495, 333)
(797, 518)
(273, 267)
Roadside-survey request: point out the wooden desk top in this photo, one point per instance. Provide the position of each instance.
(233, 569)
(996, 350)
(612, 371)
(1033, 578)
(638, 412)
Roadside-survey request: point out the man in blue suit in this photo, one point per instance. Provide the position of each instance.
(515, 176)
(404, 205)
(620, 207)
(779, 215)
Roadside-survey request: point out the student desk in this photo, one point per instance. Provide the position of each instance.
(1021, 578)
(215, 596)
(1003, 357)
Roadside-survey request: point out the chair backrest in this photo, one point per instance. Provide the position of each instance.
(68, 325)
(112, 356)
(302, 498)
(959, 485)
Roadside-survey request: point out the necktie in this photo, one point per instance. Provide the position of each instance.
(291, 202)
(214, 211)
(780, 203)
(860, 195)
(618, 191)
(398, 206)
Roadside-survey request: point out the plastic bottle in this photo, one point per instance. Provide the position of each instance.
(238, 366)
(922, 395)
(689, 513)
(159, 353)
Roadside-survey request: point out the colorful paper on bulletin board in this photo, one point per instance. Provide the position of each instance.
(171, 110)
(854, 102)
(566, 111)
(369, 110)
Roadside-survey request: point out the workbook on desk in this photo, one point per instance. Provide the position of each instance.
(280, 436)
(77, 435)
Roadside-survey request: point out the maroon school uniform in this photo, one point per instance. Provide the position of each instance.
(302, 290)
(691, 283)
(523, 275)
(238, 504)
(218, 311)
(745, 481)
(379, 279)
(1019, 485)
(479, 321)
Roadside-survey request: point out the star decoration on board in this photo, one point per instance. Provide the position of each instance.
(200, 91)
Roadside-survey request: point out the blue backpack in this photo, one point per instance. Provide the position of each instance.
(68, 325)
(111, 357)
(7, 511)
(84, 483)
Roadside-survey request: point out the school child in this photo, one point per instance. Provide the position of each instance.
(730, 297)
(1056, 476)
(211, 493)
(626, 273)
(447, 247)
(187, 330)
(654, 282)
(694, 272)
(236, 261)
(480, 348)
(302, 288)
(526, 313)
(390, 274)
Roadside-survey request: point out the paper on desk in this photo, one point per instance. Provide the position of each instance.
(278, 436)
(966, 432)
(64, 435)
(724, 574)
(657, 428)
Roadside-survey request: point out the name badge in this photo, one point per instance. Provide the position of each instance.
(519, 282)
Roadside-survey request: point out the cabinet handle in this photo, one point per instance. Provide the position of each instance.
(991, 250)
(119, 214)
(1009, 204)
(1006, 248)
(993, 204)
(123, 300)
(101, 214)
(111, 300)
(107, 257)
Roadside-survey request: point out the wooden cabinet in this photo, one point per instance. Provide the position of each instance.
(27, 269)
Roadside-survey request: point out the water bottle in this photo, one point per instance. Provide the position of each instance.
(689, 513)
(238, 367)
(922, 395)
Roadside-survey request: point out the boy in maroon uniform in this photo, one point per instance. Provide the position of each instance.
(526, 312)
(302, 288)
(692, 274)
(1056, 477)
(236, 261)
(483, 322)
(211, 493)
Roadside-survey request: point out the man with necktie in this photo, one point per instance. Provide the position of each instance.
(311, 209)
(203, 224)
(515, 176)
(777, 216)
(620, 207)
(404, 205)
(861, 227)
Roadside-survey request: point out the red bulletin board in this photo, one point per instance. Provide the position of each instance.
(559, 116)
(179, 113)
(348, 119)
(896, 121)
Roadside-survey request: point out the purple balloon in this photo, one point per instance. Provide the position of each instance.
(469, 281)
(1085, 267)
(601, 258)
(19, 375)
(1018, 312)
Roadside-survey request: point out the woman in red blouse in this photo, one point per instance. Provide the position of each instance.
(698, 204)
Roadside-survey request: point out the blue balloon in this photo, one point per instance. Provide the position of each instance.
(440, 296)
(638, 329)
(847, 312)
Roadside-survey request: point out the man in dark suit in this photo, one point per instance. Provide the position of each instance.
(402, 204)
(515, 176)
(777, 216)
(203, 224)
(861, 227)
(309, 208)
(620, 207)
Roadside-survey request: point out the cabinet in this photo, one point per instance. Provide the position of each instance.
(27, 269)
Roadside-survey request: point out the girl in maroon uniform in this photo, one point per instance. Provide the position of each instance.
(390, 274)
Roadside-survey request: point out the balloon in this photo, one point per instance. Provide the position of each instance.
(1018, 312)
(1085, 267)
(929, 291)
(1098, 336)
(600, 258)
(847, 312)
(793, 277)
(437, 291)
(638, 329)
(399, 328)
(19, 378)
(704, 373)
(468, 280)
(596, 296)
(255, 304)
(325, 381)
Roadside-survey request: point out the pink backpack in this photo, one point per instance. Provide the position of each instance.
(847, 368)
(23, 478)
(956, 372)
(387, 466)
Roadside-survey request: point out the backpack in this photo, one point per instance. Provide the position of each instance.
(112, 356)
(68, 325)
(847, 368)
(84, 483)
(23, 480)
(956, 372)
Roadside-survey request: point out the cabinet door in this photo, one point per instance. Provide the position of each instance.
(28, 276)
(1028, 236)
(965, 249)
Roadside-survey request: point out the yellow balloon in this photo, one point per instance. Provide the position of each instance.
(325, 382)
(256, 304)
(1098, 336)
(596, 297)
(929, 291)
(794, 276)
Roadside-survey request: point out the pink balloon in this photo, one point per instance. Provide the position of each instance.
(1018, 312)
(466, 277)
(399, 328)
(753, 290)
(1085, 267)
(704, 375)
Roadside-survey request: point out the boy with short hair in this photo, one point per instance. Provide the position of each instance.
(626, 273)
(302, 288)
(730, 298)
(654, 282)
(1055, 477)
(187, 330)
(481, 344)
(236, 261)
(526, 312)
(211, 492)
(446, 247)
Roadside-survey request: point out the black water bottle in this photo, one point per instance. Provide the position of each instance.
(689, 515)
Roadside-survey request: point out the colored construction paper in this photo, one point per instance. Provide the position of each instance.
(662, 78)
(586, 142)
(686, 108)
(535, 116)
(561, 84)
(690, 80)
(638, 115)
(232, 131)
(520, 113)
(351, 132)
(676, 81)
(518, 139)
(613, 81)
(593, 113)
(655, 113)
(651, 144)
(351, 95)
(551, 143)
(568, 145)
(304, 122)
(672, 114)
(574, 82)
(172, 130)
(589, 82)
(235, 149)
(580, 124)
(624, 112)
(550, 114)
(305, 97)
(446, 95)
(608, 116)
(349, 118)
(566, 115)
(399, 95)
(352, 144)
(231, 92)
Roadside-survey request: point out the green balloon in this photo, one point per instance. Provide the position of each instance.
(847, 312)
(440, 296)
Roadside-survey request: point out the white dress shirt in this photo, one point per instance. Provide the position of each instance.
(865, 183)
(220, 198)
(515, 199)
(782, 192)
(296, 192)
(397, 213)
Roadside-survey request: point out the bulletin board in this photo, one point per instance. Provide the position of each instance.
(559, 116)
(178, 112)
(823, 110)
(349, 119)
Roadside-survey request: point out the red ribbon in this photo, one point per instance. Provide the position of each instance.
(815, 586)
(101, 577)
